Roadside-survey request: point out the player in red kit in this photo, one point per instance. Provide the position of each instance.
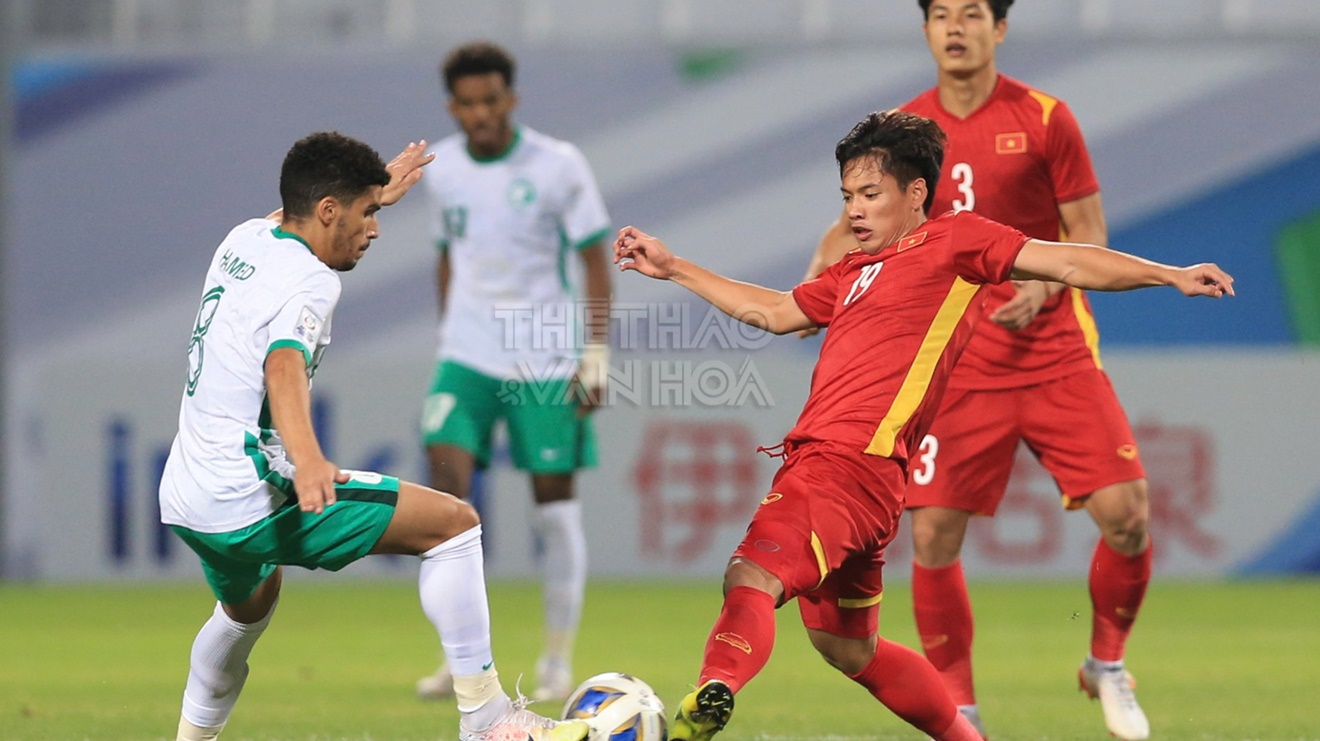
(1031, 373)
(900, 309)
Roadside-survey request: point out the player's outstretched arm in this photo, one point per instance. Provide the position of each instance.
(289, 396)
(774, 311)
(1099, 269)
(405, 171)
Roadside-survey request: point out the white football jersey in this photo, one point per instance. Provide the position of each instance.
(264, 290)
(512, 226)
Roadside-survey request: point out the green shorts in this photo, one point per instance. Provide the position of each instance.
(237, 562)
(545, 433)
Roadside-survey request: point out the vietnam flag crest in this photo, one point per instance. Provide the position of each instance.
(910, 241)
(1014, 143)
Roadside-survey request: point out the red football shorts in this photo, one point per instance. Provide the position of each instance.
(822, 530)
(1074, 425)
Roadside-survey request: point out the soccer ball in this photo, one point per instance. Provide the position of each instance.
(618, 707)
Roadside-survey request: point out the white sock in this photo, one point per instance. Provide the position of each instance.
(452, 584)
(563, 574)
(219, 668)
(1104, 666)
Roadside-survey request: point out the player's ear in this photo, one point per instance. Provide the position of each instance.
(327, 210)
(917, 191)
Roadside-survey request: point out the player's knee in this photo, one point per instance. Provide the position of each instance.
(848, 655)
(743, 573)
(935, 543)
(463, 517)
(1122, 512)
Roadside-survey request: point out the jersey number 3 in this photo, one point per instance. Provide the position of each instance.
(962, 175)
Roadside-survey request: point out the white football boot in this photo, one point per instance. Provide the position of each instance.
(1115, 689)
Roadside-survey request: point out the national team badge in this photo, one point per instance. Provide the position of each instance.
(908, 242)
(1015, 143)
(521, 193)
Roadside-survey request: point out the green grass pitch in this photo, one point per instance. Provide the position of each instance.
(1231, 660)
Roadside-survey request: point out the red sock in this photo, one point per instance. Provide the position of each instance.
(944, 622)
(908, 685)
(741, 641)
(1118, 585)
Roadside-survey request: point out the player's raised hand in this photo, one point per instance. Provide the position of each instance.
(1206, 279)
(314, 482)
(405, 170)
(637, 250)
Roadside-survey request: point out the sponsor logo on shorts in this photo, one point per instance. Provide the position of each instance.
(772, 497)
(766, 545)
(370, 478)
(735, 640)
(1127, 452)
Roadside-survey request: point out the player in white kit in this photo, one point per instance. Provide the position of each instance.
(524, 287)
(247, 486)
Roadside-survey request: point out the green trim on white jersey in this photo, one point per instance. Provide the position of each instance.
(281, 344)
(280, 233)
(508, 151)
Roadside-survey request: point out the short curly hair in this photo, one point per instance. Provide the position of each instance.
(998, 8)
(905, 145)
(328, 163)
(477, 58)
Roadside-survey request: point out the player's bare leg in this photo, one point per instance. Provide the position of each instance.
(451, 469)
(563, 579)
(940, 602)
(1119, 575)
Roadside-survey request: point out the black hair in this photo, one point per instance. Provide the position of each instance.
(998, 8)
(328, 164)
(477, 58)
(905, 145)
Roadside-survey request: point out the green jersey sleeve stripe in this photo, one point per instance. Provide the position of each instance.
(591, 239)
(281, 344)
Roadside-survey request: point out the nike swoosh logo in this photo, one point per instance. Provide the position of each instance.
(735, 640)
(934, 641)
(486, 667)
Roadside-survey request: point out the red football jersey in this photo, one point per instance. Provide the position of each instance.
(898, 320)
(1014, 160)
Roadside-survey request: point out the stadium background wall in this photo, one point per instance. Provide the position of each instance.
(124, 172)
